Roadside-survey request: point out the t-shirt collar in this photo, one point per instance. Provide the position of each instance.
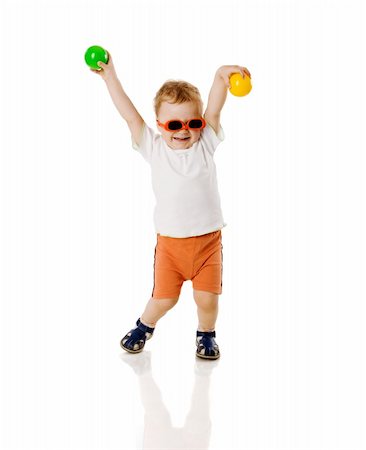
(180, 151)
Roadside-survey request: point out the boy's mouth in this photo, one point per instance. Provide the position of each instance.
(181, 139)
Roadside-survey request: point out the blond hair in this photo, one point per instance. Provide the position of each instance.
(177, 91)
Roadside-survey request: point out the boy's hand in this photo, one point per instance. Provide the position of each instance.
(218, 93)
(107, 71)
(226, 71)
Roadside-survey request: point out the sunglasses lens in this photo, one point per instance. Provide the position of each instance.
(195, 123)
(174, 125)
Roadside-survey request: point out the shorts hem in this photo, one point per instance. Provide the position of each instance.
(206, 288)
(159, 296)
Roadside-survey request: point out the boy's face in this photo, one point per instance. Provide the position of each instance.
(180, 139)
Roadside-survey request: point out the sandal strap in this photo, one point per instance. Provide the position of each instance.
(143, 327)
(206, 333)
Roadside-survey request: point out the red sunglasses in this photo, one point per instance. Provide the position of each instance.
(176, 125)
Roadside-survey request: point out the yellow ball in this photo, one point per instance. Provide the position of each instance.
(240, 86)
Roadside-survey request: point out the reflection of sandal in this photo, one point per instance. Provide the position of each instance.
(206, 345)
(141, 363)
(134, 341)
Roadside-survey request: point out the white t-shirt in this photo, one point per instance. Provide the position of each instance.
(184, 183)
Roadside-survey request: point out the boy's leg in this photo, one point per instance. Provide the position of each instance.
(155, 309)
(166, 279)
(207, 309)
(134, 341)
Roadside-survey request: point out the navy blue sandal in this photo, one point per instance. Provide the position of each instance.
(207, 347)
(134, 341)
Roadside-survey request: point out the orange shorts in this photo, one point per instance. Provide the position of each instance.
(197, 258)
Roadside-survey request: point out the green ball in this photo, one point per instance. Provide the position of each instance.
(95, 54)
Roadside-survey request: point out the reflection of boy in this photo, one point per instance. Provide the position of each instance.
(159, 431)
(187, 216)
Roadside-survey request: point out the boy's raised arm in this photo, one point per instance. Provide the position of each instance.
(218, 93)
(120, 99)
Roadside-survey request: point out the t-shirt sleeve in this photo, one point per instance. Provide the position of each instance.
(210, 139)
(147, 142)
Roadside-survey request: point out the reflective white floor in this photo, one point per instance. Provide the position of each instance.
(284, 381)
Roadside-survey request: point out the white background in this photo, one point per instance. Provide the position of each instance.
(78, 240)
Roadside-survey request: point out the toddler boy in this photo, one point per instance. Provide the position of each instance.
(187, 216)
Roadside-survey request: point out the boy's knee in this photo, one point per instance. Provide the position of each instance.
(206, 302)
(205, 298)
(165, 303)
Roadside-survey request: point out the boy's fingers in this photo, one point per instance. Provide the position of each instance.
(246, 71)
